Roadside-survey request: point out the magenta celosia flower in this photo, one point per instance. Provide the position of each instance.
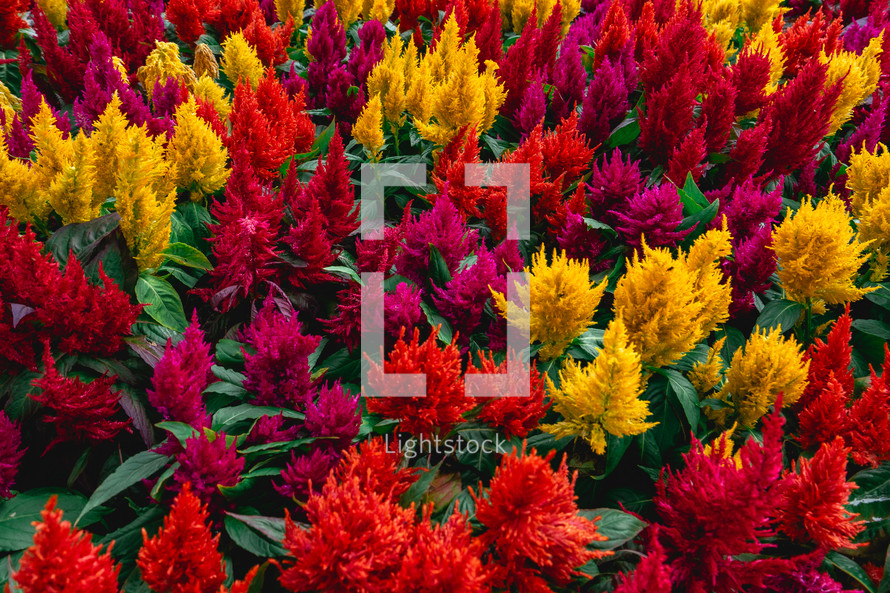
(463, 299)
(365, 56)
(653, 573)
(532, 108)
(327, 46)
(568, 81)
(18, 139)
(80, 411)
(100, 81)
(612, 183)
(10, 454)
(402, 307)
(306, 473)
(180, 378)
(748, 207)
(652, 215)
(207, 465)
(581, 242)
(340, 97)
(701, 545)
(605, 103)
(753, 264)
(585, 29)
(335, 415)
(278, 374)
(346, 325)
(294, 84)
(441, 228)
(272, 429)
(868, 133)
(856, 36)
(805, 578)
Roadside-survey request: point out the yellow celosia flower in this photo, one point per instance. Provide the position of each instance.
(859, 75)
(874, 221)
(53, 151)
(214, 94)
(559, 300)
(145, 212)
(867, 176)
(240, 60)
(515, 13)
(768, 365)
(669, 305)
(767, 42)
(71, 192)
(347, 10)
(18, 188)
(723, 447)
(121, 69)
(377, 10)
(819, 254)
(368, 128)
(705, 376)
(109, 131)
(603, 396)
(446, 92)
(879, 266)
(205, 63)
(720, 17)
(290, 8)
(388, 80)
(757, 13)
(520, 12)
(196, 154)
(56, 11)
(9, 104)
(162, 64)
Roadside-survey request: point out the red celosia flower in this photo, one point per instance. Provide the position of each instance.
(824, 416)
(346, 325)
(271, 46)
(869, 432)
(565, 152)
(445, 401)
(233, 15)
(183, 556)
(669, 116)
(244, 240)
(813, 498)
(449, 174)
(718, 113)
(614, 34)
(357, 541)
(800, 112)
(11, 22)
(444, 557)
(518, 65)
(376, 466)
(653, 573)
(278, 373)
(694, 503)
(645, 32)
(750, 76)
(63, 68)
(687, 158)
(514, 413)
(180, 378)
(532, 524)
(831, 358)
(80, 411)
(746, 157)
(806, 37)
(488, 37)
(10, 455)
(188, 16)
(63, 559)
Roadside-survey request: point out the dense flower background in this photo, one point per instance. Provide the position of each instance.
(708, 305)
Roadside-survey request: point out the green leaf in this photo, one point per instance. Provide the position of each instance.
(700, 218)
(439, 272)
(162, 302)
(17, 514)
(228, 375)
(881, 296)
(418, 488)
(79, 235)
(250, 537)
(228, 416)
(135, 469)
(692, 197)
(180, 430)
(228, 352)
(324, 139)
(128, 539)
(851, 569)
(685, 393)
(600, 226)
(445, 332)
(872, 327)
(619, 527)
(346, 272)
(626, 132)
(188, 256)
(96, 242)
(782, 313)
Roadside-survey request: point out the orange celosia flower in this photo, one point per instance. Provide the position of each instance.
(183, 556)
(532, 523)
(813, 500)
(62, 559)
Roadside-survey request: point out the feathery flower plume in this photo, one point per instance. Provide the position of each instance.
(830, 360)
(652, 573)
(183, 557)
(603, 396)
(162, 64)
(768, 366)
(818, 253)
(63, 558)
(305, 474)
(612, 184)
(559, 299)
(207, 465)
(814, 497)
(336, 415)
(824, 416)
(512, 412)
(368, 129)
(653, 216)
(10, 455)
(240, 62)
(197, 154)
